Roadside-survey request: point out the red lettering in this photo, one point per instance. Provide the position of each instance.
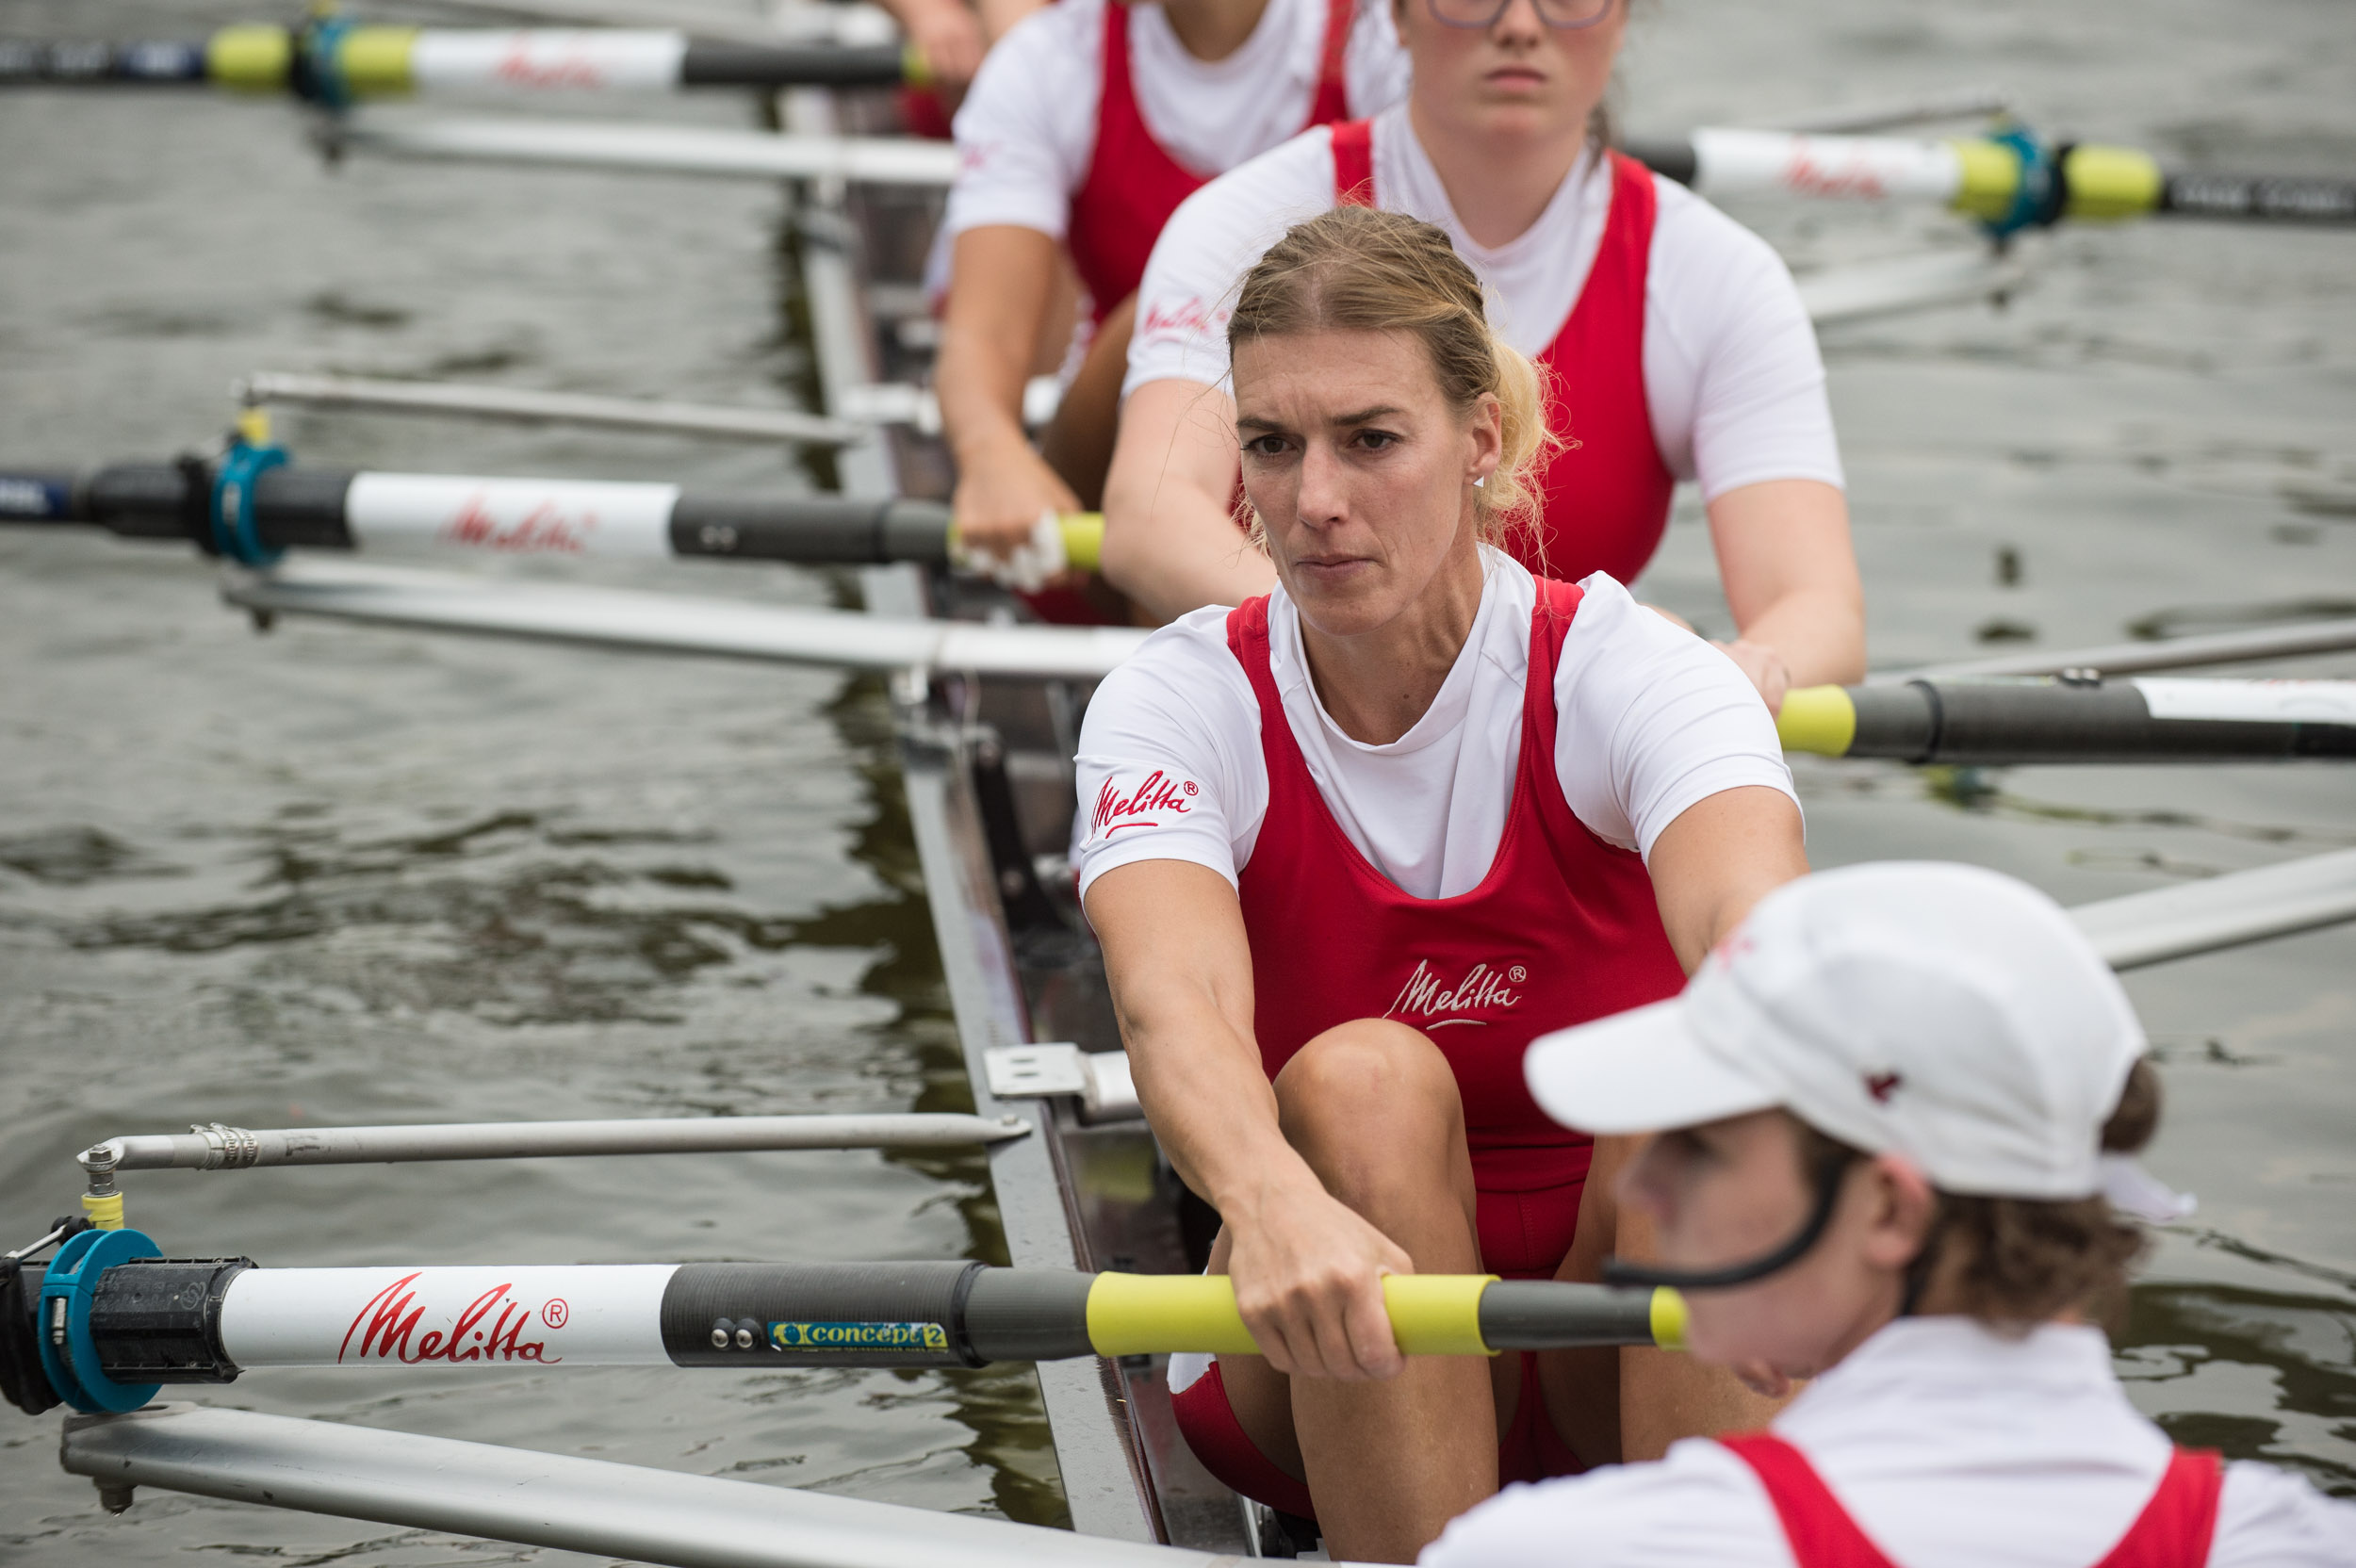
(543, 528)
(518, 67)
(392, 1315)
(1803, 174)
(1159, 793)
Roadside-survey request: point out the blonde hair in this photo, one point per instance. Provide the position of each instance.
(1357, 269)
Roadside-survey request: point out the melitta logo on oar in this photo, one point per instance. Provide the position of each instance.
(387, 1325)
(859, 1337)
(545, 527)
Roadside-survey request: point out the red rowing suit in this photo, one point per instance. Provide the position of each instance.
(2174, 1530)
(1133, 183)
(1564, 928)
(1606, 491)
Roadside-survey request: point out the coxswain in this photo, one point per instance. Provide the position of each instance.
(1676, 342)
(1350, 846)
(1891, 1128)
(1086, 128)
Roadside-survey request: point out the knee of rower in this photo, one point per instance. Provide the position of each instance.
(1373, 1083)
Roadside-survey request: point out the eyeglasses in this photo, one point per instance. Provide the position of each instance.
(1562, 15)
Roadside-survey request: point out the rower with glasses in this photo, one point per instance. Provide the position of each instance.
(1674, 341)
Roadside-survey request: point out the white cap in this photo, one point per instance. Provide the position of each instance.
(1944, 1013)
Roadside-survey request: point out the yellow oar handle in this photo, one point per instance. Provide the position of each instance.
(1818, 719)
(2097, 182)
(1081, 534)
(1082, 538)
(1431, 1315)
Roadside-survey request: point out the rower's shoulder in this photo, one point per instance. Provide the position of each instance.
(1295, 172)
(1686, 220)
(1185, 665)
(2271, 1516)
(1699, 1504)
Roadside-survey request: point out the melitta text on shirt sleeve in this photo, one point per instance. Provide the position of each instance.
(1652, 719)
(1165, 770)
(1206, 249)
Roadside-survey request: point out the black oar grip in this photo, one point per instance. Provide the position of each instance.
(1993, 723)
(2261, 197)
(818, 1315)
(1029, 1314)
(816, 530)
(1546, 1315)
(722, 64)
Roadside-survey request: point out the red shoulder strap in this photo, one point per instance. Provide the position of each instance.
(1354, 163)
(2175, 1530)
(2177, 1526)
(1558, 603)
(1820, 1529)
(1331, 101)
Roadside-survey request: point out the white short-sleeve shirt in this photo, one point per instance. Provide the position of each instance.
(1650, 720)
(1027, 129)
(1949, 1445)
(1732, 377)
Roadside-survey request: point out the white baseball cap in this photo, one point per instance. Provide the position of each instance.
(1948, 1014)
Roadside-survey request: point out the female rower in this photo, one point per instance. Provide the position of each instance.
(1086, 128)
(1886, 1111)
(1678, 344)
(1364, 836)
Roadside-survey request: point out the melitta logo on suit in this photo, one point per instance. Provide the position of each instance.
(1142, 806)
(1427, 1003)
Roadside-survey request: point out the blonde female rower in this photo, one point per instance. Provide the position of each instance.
(1350, 846)
(1679, 346)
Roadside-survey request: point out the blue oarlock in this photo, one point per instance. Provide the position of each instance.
(234, 531)
(72, 1279)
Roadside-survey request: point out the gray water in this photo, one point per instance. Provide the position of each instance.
(338, 876)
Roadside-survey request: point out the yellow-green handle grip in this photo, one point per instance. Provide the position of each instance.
(1431, 1315)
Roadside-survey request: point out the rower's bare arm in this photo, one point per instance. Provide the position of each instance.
(1721, 855)
(1002, 286)
(1171, 540)
(1307, 1268)
(1792, 580)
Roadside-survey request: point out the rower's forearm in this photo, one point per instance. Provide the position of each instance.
(979, 384)
(1182, 556)
(1819, 633)
(1210, 1103)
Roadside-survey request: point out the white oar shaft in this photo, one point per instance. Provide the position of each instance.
(613, 59)
(458, 1315)
(1730, 162)
(520, 515)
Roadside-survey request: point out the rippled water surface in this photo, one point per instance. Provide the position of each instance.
(339, 876)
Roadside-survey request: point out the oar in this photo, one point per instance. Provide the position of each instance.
(2008, 181)
(2080, 720)
(335, 64)
(251, 504)
(132, 1320)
